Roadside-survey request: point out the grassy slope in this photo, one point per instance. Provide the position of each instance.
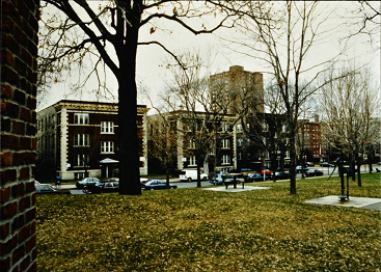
(197, 230)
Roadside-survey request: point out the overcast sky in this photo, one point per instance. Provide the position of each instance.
(150, 59)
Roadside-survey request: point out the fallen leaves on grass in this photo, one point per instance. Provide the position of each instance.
(195, 230)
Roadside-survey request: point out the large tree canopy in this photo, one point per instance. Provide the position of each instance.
(107, 33)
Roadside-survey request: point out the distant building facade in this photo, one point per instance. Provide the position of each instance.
(310, 138)
(76, 139)
(239, 86)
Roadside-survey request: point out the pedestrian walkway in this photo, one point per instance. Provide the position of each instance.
(356, 202)
(235, 190)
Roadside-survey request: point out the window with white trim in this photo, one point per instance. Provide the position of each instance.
(192, 160)
(226, 159)
(225, 143)
(81, 140)
(107, 127)
(81, 118)
(239, 128)
(225, 127)
(82, 160)
(107, 147)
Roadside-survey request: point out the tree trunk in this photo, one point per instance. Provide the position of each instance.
(198, 172)
(292, 136)
(273, 166)
(370, 159)
(167, 176)
(129, 174)
(358, 171)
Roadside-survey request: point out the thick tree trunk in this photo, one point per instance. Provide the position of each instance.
(129, 174)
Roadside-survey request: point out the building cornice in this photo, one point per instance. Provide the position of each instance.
(113, 107)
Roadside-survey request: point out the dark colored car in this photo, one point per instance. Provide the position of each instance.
(299, 169)
(156, 184)
(310, 164)
(281, 175)
(326, 164)
(44, 189)
(312, 173)
(255, 177)
(88, 182)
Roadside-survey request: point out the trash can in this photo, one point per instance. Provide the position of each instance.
(58, 181)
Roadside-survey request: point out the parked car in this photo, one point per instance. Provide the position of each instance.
(326, 164)
(266, 172)
(113, 179)
(111, 187)
(156, 184)
(37, 183)
(281, 175)
(47, 189)
(191, 174)
(299, 169)
(310, 164)
(107, 187)
(216, 178)
(87, 182)
(256, 177)
(312, 173)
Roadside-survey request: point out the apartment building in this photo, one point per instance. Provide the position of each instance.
(80, 138)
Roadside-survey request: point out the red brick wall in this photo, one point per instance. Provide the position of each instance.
(18, 127)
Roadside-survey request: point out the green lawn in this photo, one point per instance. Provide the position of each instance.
(197, 230)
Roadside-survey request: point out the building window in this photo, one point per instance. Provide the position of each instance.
(239, 128)
(79, 175)
(107, 147)
(226, 159)
(82, 160)
(107, 127)
(240, 155)
(225, 127)
(192, 161)
(225, 143)
(240, 142)
(81, 118)
(81, 140)
(192, 144)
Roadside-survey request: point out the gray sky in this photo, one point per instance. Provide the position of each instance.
(150, 59)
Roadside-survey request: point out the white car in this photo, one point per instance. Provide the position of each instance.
(39, 185)
(190, 175)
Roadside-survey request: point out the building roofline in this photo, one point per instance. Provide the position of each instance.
(62, 102)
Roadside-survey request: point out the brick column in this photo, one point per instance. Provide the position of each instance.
(18, 127)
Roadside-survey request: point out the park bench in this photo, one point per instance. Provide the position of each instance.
(234, 178)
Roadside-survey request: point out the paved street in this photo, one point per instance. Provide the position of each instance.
(193, 184)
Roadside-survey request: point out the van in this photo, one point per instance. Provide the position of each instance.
(190, 175)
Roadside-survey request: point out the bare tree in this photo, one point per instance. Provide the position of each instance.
(283, 36)
(349, 106)
(108, 34)
(163, 138)
(202, 108)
